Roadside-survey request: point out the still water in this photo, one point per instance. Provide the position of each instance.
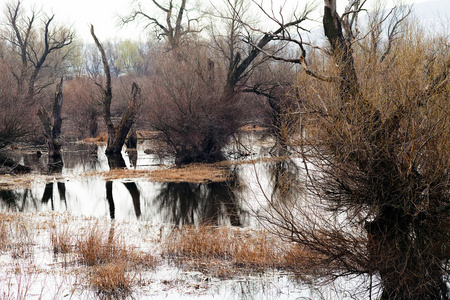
(178, 203)
(236, 202)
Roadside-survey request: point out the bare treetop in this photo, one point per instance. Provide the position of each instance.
(33, 44)
(176, 25)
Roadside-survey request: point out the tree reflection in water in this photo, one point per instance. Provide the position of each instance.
(55, 166)
(213, 203)
(285, 180)
(17, 201)
(83, 157)
(116, 161)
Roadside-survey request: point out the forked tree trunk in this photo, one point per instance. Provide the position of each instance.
(116, 134)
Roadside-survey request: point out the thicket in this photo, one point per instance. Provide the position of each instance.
(375, 156)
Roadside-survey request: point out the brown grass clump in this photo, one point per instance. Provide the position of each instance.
(112, 280)
(195, 173)
(93, 248)
(224, 247)
(199, 243)
(113, 264)
(252, 128)
(192, 173)
(98, 246)
(15, 235)
(5, 220)
(257, 251)
(101, 139)
(61, 239)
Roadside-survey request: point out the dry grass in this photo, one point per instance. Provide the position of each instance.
(252, 128)
(199, 243)
(192, 173)
(93, 248)
(61, 238)
(98, 245)
(99, 254)
(11, 182)
(5, 220)
(16, 235)
(195, 173)
(112, 280)
(101, 139)
(232, 250)
(113, 264)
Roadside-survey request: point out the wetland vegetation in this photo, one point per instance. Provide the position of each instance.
(239, 158)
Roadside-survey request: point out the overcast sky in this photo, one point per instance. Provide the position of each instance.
(103, 14)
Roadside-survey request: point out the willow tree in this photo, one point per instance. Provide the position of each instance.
(376, 162)
(196, 105)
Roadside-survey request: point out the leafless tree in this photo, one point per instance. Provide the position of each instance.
(34, 46)
(375, 164)
(15, 113)
(186, 109)
(116, 134)
(176, 25)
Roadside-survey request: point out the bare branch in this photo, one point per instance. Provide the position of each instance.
(107, 92)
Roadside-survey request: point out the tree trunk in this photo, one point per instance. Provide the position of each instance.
(349, 88)
(57, 106)
(54, 148)
(116, 134)
(406, 266)
(400, 244)
(53, 131)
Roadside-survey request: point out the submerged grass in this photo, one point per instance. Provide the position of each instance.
(15, 235)
(61, 238)
(99, 251)
(226, 251)
(113, 264)
(112, 280)
(97, 256)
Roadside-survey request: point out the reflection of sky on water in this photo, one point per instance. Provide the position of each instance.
(232, 203)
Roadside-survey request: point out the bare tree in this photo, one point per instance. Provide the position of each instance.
(186, 109)
(82, 107)
(376, 164)
(197, 121)
(176, 26)
(116, 134)
(32, 47)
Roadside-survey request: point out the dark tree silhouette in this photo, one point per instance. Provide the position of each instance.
(116, 133)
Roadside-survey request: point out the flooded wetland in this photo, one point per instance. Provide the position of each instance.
(137, 227)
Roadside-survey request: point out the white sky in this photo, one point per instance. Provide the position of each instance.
(103, 14)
